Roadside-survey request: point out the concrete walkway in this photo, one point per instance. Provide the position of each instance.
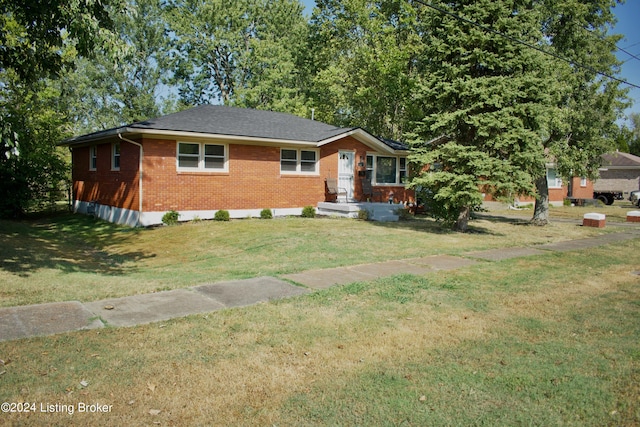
(60, 317)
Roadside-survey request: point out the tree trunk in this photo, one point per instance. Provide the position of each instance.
(541, 211)
(462, 223)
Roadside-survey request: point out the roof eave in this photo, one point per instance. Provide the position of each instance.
(364, 137)
(128, 131)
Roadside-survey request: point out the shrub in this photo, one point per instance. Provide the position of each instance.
(221, 215)
(364, 214)
(266, 214)
(403, 214)
(170, 218)
(308, 212)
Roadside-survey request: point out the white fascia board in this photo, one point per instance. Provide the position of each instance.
(606, 168)
(249, 140)
(187, 136)
(364, 137)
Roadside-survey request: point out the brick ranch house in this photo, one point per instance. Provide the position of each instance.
(620, 172)
(213, 157)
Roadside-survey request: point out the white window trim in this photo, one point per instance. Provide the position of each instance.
(113, 156)
(93, 155)
(375, 167)
(201, 156)
(583, 181)
(558, 181)
(299, 162)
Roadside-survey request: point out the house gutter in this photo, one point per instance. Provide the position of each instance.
(139, 173)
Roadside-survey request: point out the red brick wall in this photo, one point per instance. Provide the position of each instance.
(579, 192)
(108, 187)
(329, 169)
(252, 182)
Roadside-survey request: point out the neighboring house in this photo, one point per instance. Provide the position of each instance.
(559, 190)
(210, 158)
(620, 173)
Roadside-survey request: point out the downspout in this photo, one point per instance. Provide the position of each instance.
(139, 174)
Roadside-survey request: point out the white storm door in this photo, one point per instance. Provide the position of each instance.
(346, 171)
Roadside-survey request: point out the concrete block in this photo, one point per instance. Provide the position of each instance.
(633, 216)
(594, 220)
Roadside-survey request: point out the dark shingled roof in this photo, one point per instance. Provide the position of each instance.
(222, 120)
(241, 122)
(620, 159)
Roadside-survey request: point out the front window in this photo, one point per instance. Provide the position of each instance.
(201, 157)
(369, 173)
(298, 161)
(115, 163)
(386, 169)
(288, 160)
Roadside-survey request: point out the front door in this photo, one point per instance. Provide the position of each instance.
(346, 168)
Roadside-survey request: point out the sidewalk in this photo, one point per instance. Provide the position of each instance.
(60, 317)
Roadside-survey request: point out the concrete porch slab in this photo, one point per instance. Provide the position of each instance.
(238, 293)
(45, 319)
(382, 212)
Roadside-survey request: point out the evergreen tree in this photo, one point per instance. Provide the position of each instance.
(488, 102)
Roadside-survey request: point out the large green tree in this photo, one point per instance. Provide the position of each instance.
(32, 33)
(32, 168)
(634, 134)
(487, 100)
(590, 102)
(35, 41)
(244, 52)
(364, 62)
(117, 87)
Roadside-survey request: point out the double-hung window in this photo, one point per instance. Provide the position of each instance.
(293, 161)
(553, 179)
(115, 156)
(194, 156)
(93, 157)
(386, 169)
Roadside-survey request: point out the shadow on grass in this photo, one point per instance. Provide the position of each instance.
(66, 242)
(425, 224)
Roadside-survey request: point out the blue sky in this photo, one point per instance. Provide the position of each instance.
(628, 25)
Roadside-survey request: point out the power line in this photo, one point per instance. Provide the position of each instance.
(529, 45)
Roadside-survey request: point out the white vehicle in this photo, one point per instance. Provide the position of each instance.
(634, 197)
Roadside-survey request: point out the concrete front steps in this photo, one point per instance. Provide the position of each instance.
(382, 212)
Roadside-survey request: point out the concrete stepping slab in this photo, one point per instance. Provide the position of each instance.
(45, 319)
(591, 242)
(323, 279)
(390, 268)
(238, 293)
(442, 262)
(154, 307)
(505, 253)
